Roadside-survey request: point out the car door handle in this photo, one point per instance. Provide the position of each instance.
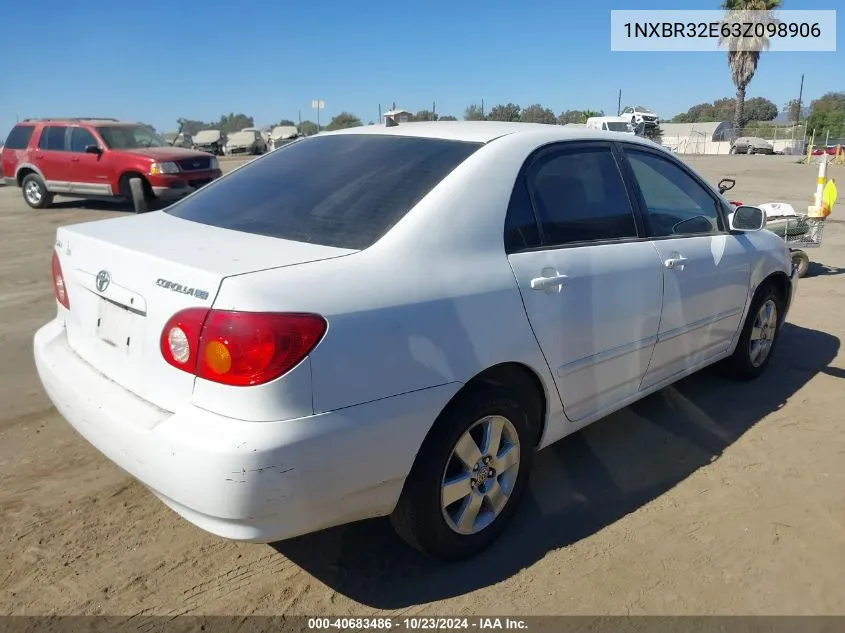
(74, 160)
(675, 262)
(548, 283)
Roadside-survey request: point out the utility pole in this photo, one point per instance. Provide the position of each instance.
(619, 103)
(482, 107)
(379, 115)
(800, 96)
(433, 110)
(300, 121)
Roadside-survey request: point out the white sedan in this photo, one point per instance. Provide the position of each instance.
(391, 321)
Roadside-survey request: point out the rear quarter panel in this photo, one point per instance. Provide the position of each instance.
(434, 302)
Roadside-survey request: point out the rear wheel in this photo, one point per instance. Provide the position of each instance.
(35, 192)
(469, 476)
(733, 150)
(801, 261)
(759, 335)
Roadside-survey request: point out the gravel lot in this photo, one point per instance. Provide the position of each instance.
(708, 497)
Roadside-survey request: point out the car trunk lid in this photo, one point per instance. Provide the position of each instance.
(126, 277)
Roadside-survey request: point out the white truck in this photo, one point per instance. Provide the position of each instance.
(610, 124)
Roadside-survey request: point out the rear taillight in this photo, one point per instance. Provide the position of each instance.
(239, 348)
(59, 285)
(736, 203)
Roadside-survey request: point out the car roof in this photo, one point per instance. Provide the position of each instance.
(75, 120)
(486, 131)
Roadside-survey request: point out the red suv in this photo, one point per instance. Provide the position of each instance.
(101, 159)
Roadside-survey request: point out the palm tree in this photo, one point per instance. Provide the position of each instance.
(743, 62)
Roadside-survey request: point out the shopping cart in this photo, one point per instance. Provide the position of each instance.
(799, 232)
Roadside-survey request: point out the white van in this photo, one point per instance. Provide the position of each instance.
(610, 124)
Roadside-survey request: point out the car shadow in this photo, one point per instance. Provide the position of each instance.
(580, 485)
(102, 205)
(93, 205)
(823, 270)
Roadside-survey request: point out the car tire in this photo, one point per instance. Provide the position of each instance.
(141, 199)
(759, 336)
(802, 262)
(750, 150)
(733, 150)
(35, 192)
(420, 517)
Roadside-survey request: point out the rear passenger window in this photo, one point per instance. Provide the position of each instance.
(521, 229)
(19, 137)
(53, 138)
(580, 196)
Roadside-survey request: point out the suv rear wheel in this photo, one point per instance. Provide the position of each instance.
(35, 192)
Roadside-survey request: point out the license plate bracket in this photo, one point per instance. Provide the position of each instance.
(114, 325)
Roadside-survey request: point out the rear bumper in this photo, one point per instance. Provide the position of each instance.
(177, 186)
(246, 481)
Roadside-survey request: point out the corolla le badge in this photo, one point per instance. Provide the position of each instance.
(103, 280)
(185, 290)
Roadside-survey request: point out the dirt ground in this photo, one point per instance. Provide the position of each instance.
(708, 497)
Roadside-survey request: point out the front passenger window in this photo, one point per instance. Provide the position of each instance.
(676, 203)
(80, 138)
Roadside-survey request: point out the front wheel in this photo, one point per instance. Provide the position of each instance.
(759, 335)
(469, 476)
(802, 262)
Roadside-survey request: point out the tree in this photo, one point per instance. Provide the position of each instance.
(425, 115)
(448, 117)
(756, 109)
(742, 61)
(507, 112)
(308, 128)
(344, 120)
(760, 109)
(793, 109)
(235, 122)
(285, 123)
(570, 116)
(589, 114)
(227, 123)
(538, 114)
(474, 113)
(827, 113)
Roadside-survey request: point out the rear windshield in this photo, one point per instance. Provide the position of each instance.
(346, 190)
(19, 137)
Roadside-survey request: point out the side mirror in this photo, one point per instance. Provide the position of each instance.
(726, 184)
(747, 218)
(93, 149)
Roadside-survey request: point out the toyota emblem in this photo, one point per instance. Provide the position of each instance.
(103, 280)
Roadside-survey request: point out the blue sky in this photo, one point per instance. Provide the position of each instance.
(154, 62)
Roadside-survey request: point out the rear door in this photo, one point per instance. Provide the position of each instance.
(89, 172)
(53, 158)
(706, 269)
(591, 283)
